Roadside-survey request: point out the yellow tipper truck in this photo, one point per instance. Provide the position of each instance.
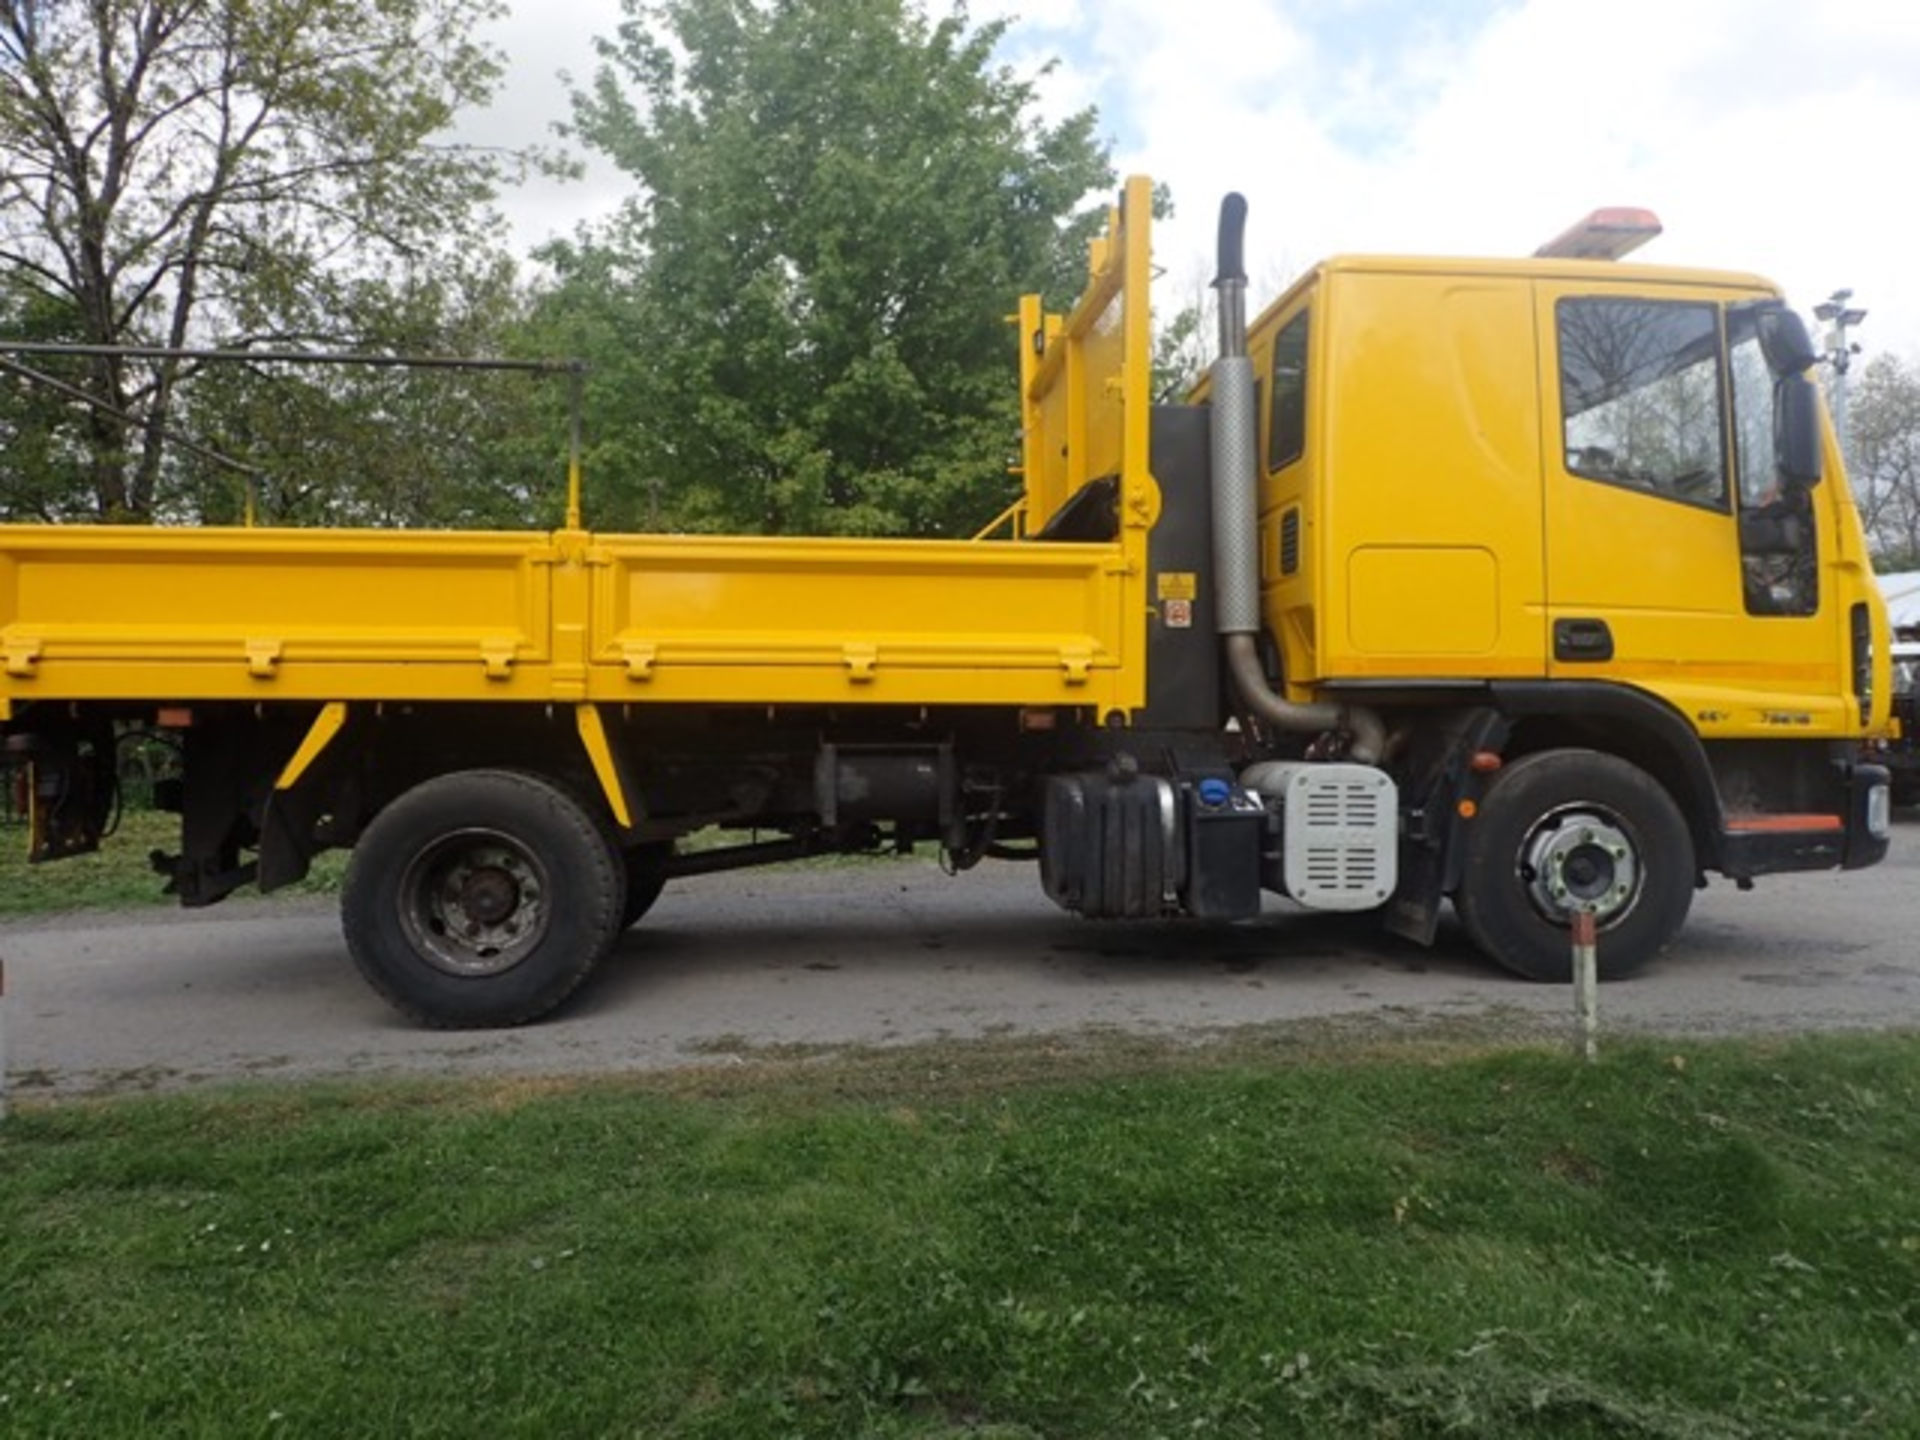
(1534, 585)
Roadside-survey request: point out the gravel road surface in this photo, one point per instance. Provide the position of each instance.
(728, 967)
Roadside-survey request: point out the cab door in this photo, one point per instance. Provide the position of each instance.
(1659, 422)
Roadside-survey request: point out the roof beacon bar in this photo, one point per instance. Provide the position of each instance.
(1606, 234)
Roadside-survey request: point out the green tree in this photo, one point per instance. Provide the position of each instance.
(838, 201)
(1884, 424)
(42, 467)
(402, 445)
(227, 172)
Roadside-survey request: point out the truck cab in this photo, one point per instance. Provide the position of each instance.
(1562, 473)
(1578, 534)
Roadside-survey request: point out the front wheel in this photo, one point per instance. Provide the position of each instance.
(1570, 829)
(482, 898)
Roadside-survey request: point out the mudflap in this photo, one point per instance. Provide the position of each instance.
(1438, 790)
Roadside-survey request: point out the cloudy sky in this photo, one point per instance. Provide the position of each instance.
(1776, 136)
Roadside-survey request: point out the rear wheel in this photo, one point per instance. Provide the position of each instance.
(1571, 829)
(482, 898)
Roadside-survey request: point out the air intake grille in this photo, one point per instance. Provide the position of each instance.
(1290, 542)
(1341, 836)
(1862, 626)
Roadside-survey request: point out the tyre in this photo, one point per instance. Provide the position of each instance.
(482, 898)
(646, 878)
(1567, 828)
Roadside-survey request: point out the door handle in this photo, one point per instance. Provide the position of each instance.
(1582, 641)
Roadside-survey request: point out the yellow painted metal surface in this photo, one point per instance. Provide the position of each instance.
(1667, 579)
(121, 613)
(331, 720)
(94, 613)
(606, 766)
(1418, 491)
(1439, 534)
(701, 618)
(1086, 379)
(106, 612)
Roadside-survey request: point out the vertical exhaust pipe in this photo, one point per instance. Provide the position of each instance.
(1235, 431)
(1235, 428)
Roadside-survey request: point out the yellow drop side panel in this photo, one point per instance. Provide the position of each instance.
(92, 613)
(682, 618)
(155, 615)
(108, 612)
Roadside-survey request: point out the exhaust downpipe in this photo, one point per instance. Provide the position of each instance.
(1236, 515)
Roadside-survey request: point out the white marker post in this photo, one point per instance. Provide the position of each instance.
(1586, 981)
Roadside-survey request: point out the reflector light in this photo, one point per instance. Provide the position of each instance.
(1604, 235)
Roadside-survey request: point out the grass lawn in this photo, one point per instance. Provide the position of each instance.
(1696, 1240)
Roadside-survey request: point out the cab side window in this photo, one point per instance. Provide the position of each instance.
(1640, 397)
(1287, 387)
(1779, 551)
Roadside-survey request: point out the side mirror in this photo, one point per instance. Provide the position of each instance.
(1777, 529)
(1796, 429)
(1784, 340)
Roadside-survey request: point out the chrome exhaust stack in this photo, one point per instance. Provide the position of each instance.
(1235, 433)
